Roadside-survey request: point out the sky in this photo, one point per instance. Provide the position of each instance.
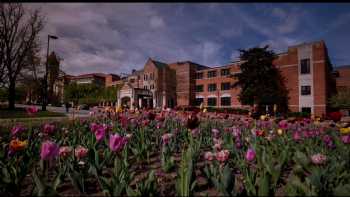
(119, 37)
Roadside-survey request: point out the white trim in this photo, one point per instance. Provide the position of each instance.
(289, 65)
(225, 95)
(199, 96)
(212, 96)
(318, 61)
(306, 51)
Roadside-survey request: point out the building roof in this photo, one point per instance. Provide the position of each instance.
(159, 64)
(341, 67)
(89, 75)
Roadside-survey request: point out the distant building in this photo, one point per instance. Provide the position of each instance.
(305, 67)
(100, 79)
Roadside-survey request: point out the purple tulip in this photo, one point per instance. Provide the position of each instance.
(283, 124)
(100, 133)
(17, 130)
(328, 141)
(345, 139)
(117, 142)
(250, 155)
(48, 128)
(49, 150)
(94, 127)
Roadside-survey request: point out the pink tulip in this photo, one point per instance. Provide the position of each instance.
(48, 128)
(296, 136)
(345, 139)
(100, 133)
(80, 152)
(128, 136)
(195, 132)
(49, 150)
(17, 130)
(94, 127)
(222, 155)
(283, 124)
(215, 132)
(318, 159)
(209, 156)
(65, 151)
(166, 138)
(250, 155)
(117, 142)
(32, 110)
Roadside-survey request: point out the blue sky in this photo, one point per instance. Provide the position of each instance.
(118, 37)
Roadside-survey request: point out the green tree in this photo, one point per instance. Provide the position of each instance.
(260, 81)
(89, 94)
(341, 100)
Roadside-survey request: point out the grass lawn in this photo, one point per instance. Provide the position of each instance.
(21, 113)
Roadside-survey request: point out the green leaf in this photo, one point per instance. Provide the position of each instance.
(264, 185)
(342, 190)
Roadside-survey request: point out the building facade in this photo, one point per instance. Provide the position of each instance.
(342, 76)
(305, 67)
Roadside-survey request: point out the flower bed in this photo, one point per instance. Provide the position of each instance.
(176, 153)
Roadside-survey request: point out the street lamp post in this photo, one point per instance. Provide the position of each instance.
(46, 73)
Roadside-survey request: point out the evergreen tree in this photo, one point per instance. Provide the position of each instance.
(261, 83)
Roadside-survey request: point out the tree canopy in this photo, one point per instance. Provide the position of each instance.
(259, 80)
(89, 93)
(341, 99)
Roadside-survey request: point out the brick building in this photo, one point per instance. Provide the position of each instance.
(342, 76)
(305, 67)
(100, 79)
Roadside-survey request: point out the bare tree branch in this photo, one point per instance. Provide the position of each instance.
(18, 41)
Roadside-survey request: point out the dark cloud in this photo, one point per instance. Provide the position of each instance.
(119, 37)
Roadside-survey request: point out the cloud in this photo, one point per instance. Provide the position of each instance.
(120, 37)
(235, 55)
(156, 22)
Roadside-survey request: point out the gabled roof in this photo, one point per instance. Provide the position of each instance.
(159, 64)
(341, 67)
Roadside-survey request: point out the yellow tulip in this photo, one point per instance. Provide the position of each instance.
(345, 130)
(262, 117)
(279, 131)
(205, 110)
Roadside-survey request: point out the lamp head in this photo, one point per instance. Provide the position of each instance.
(53, 37)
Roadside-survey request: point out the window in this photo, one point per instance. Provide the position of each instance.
(199, 88)
(305, 66)
(212, 87)
(132, 80)
(151, 77)
(225, 72)
(306, 110)
(305, 90)
(145, 77)
(225, 86)
(199, 75)
(211, 101)
(151, 87)
(225, 101)
(211, 74)
(145, 87)
(199, 101)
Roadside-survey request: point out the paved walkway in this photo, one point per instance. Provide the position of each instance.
(80, 113)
